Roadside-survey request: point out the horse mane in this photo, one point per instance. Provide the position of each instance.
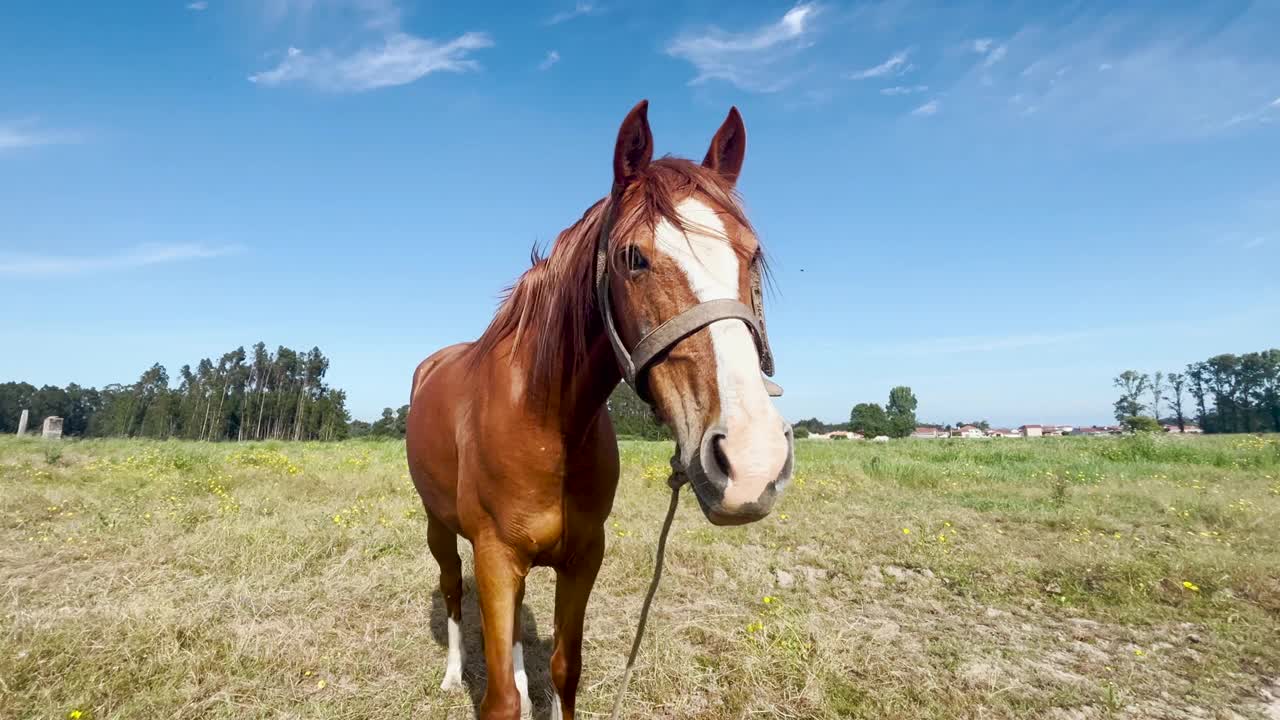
(552, 306)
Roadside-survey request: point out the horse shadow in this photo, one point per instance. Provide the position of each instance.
(537, 651)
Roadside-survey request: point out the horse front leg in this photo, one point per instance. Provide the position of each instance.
(499, 579)
(573, 587)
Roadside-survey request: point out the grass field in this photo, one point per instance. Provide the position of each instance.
(1057, 578)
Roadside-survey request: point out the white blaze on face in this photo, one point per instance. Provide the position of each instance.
(754, 441)
(453, 661)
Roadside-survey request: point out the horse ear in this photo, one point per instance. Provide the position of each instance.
(634, 149)
(728, 147)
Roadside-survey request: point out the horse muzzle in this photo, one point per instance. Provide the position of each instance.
(737, 479)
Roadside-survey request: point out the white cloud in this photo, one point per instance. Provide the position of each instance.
(751, 60)
(139, 256)
(904, 89)
(26, 134)
(1158, 78)
(929, 108)
(580, 9)
(552, 58)
(1255, 243)
(895, 65)
(198, 5)
(399, 60)
(383, 54)
(995, 56)
(982, 45)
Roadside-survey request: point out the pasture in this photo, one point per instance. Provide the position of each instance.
(1058, 578)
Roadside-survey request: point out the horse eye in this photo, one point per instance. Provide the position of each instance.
(635, 260)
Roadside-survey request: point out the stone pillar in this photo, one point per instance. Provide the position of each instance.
(52, 428)
(22, 423)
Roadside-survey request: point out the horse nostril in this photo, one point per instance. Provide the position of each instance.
(717, 452)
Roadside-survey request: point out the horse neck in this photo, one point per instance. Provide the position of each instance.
(590, 384)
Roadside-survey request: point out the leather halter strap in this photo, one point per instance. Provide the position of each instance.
(634, 363)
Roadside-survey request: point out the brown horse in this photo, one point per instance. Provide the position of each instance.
(509, 441)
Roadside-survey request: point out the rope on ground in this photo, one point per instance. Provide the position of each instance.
(675, 481)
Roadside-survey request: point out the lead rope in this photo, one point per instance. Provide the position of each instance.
(676, 480)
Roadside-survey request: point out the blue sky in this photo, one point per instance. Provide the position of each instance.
(1000, 205)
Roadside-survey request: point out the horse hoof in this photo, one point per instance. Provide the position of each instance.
(451, 682)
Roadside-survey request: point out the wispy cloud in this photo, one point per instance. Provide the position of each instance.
(27, 133)
(198, 6)
(135, 257)
(896, 65)
(1129, 76)
(995, 56)
(581, 9)
(927, 109)
(1256, 242)
(552, 58)
(385, 56)
(399, 60)
(753, 59)
(904, 89)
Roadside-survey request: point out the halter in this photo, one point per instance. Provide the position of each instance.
(634, 363)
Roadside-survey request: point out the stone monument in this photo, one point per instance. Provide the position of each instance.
(52, 428)
(22, 423)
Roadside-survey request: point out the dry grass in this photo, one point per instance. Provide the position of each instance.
(1071, 578)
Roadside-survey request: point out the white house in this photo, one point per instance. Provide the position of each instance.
(1031, 431)
(968, 431)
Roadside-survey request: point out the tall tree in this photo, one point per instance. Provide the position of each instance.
(1132, 385)
(1157, 393)
(1177, 387)
(1197, 385)
(901, 411)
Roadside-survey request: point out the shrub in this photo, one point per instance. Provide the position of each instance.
(1141, 423)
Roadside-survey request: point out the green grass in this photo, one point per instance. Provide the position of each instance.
(1071, 578)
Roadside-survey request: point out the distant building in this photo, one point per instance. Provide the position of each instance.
(1188, 428)
(837, 435)
(1002, 433)
(1031, 431)
(968, 431)
(924, 431)
(1095, 431)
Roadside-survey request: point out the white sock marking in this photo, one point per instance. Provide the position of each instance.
(522, 678)
(453, 661)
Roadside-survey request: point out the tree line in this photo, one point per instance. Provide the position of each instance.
(1226, 393)
(896, 419)
(241, 396)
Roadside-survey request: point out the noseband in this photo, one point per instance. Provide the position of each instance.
(636, 362)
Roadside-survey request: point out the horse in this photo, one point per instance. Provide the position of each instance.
(509, 441)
